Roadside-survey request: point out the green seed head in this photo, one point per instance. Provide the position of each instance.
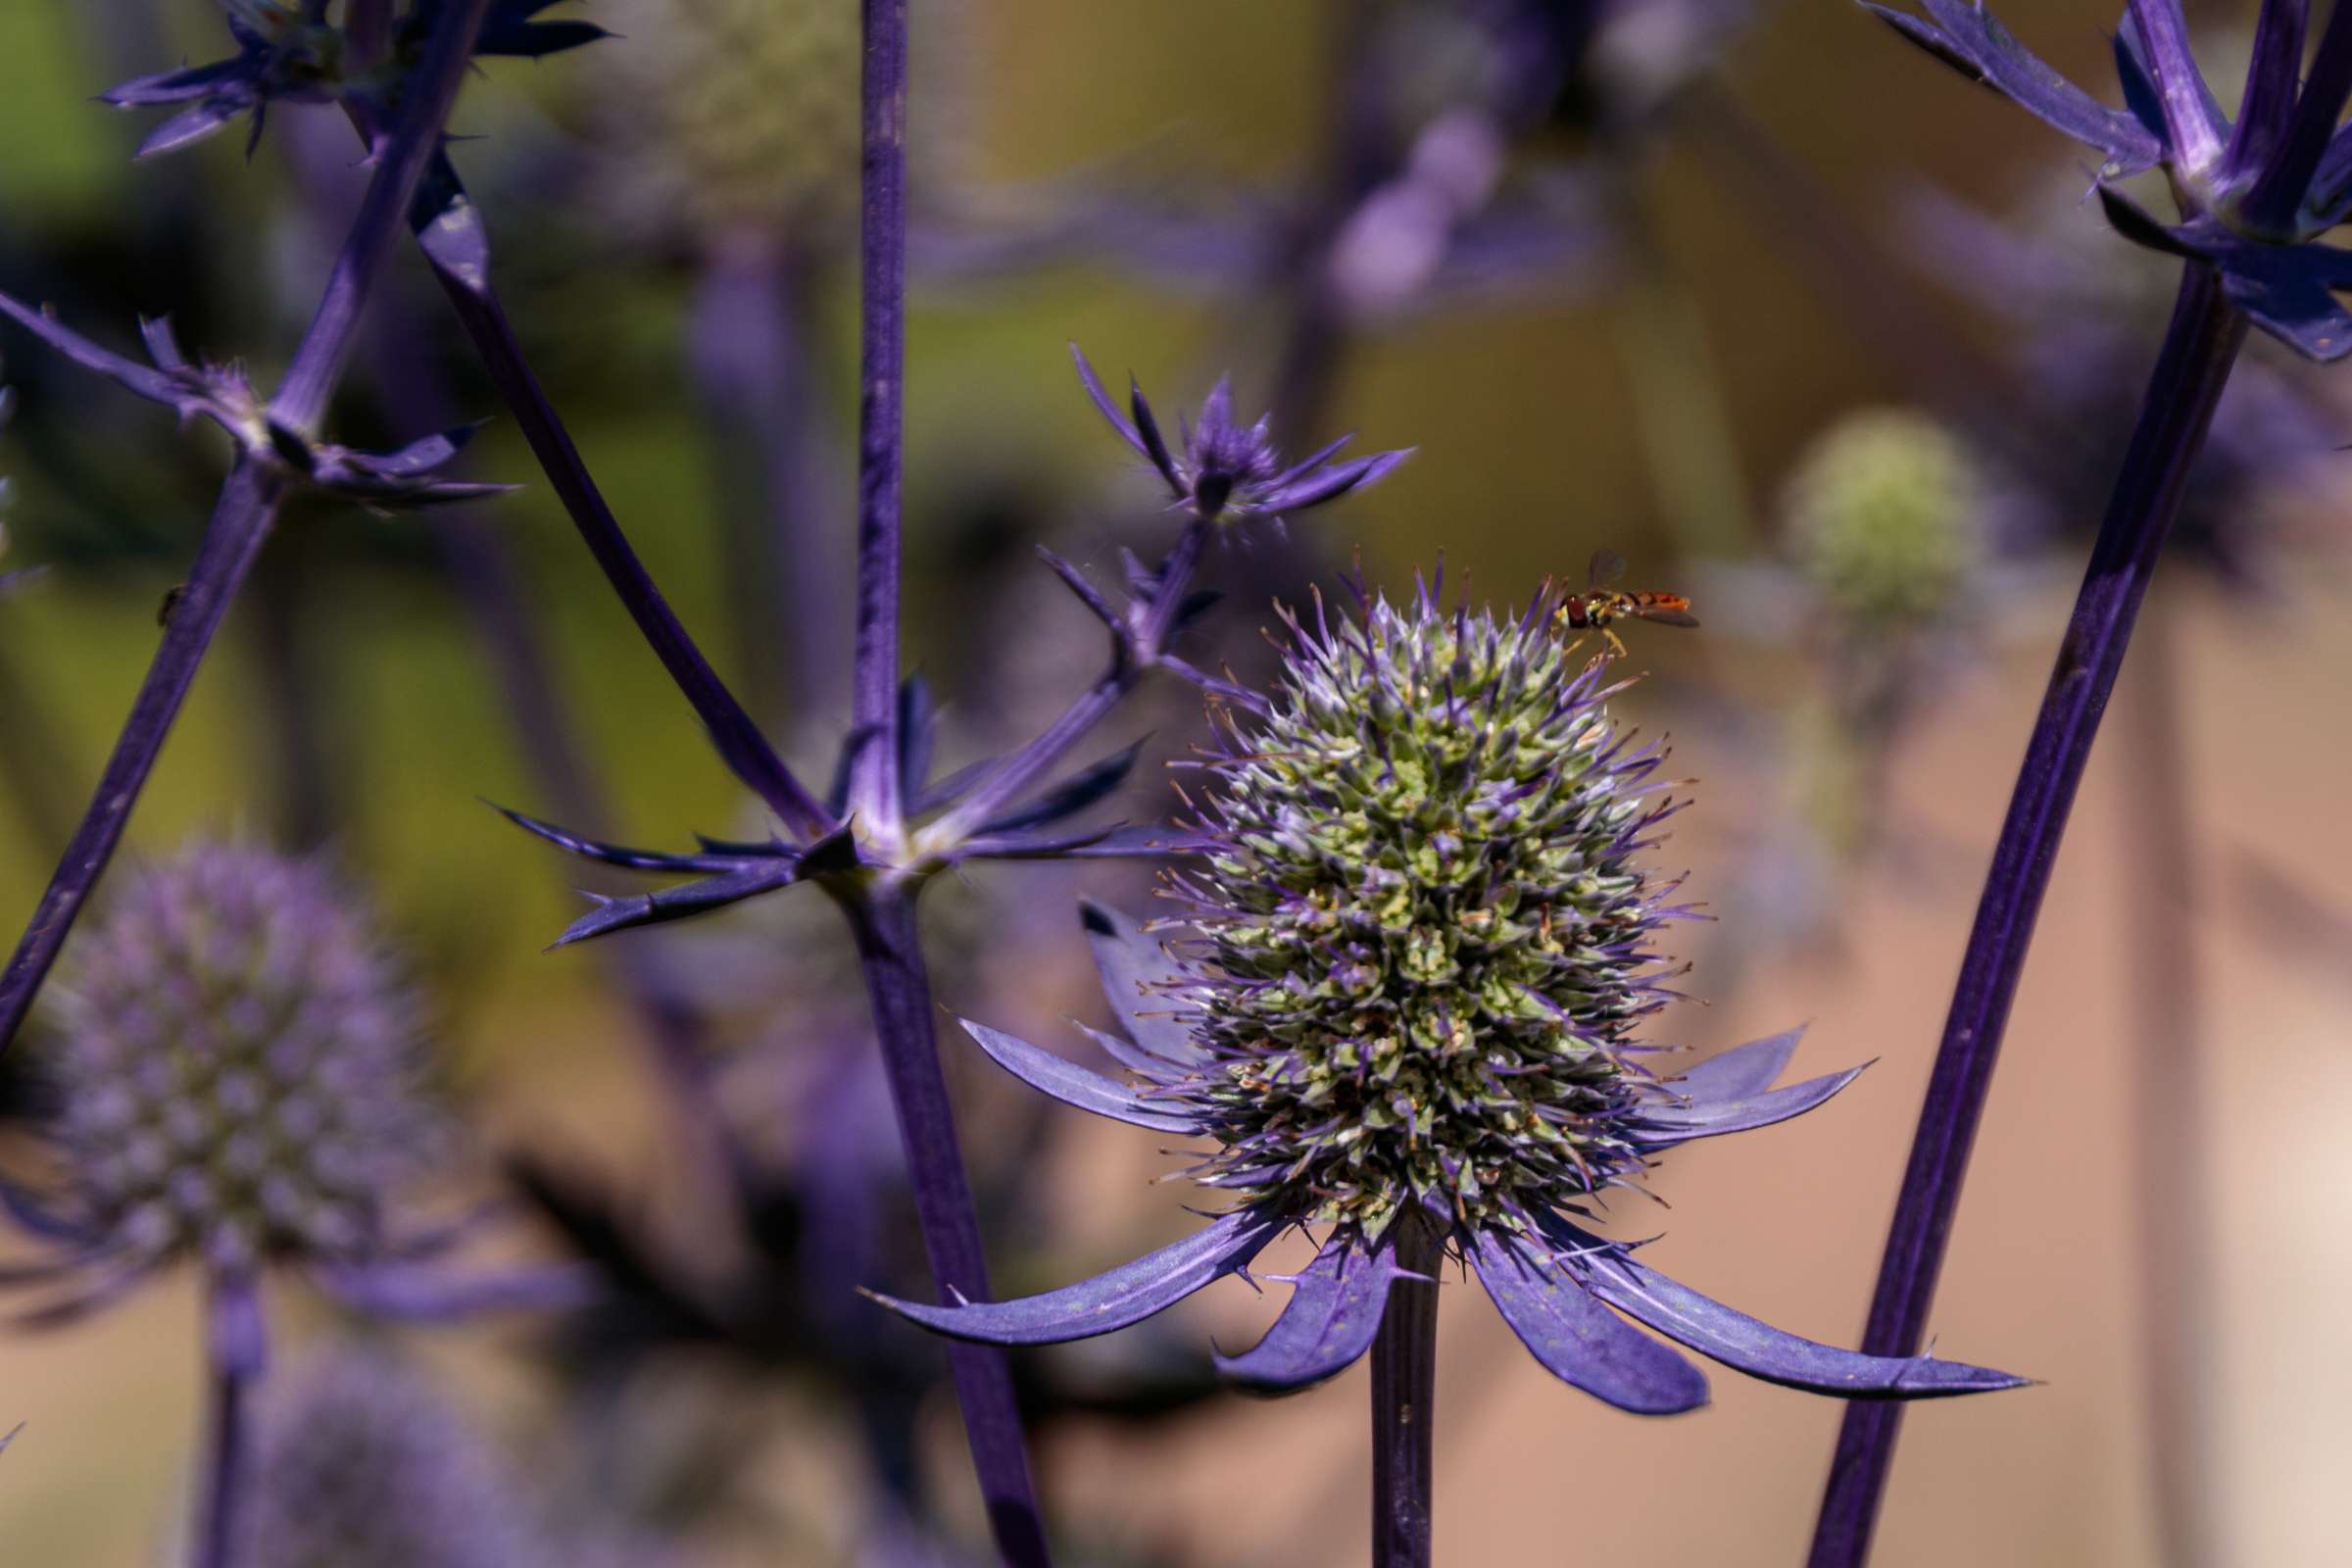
(1886, 516)
(1426, 930)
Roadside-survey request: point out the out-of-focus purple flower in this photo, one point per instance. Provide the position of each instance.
(405, 478)
(1420, 945)
(360, 1463)
(238, 1079)
(1222, 471)
(288, 53)
(2251, 195)
(2081, 325)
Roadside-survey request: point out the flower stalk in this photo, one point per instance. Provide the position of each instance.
(1404, 1391)
(882, 367)
(227, 1443)
(899, 986)
(244, 515)
(2201, 347)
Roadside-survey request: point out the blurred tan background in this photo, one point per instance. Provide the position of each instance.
(1529, 458)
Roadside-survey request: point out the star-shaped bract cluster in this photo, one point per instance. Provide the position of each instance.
(284, 56)
(2253, 194)
(405, 478)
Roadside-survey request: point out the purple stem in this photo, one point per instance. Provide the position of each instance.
(736, 737)
(1404, 1396)
(899, 986)
(1135, 654)
(224, 1466)
(2199, 349)
(241, 522)
(882, 363)
(326, 348)
(2279, 192)
(242, 517)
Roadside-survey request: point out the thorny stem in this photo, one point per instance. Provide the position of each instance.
(2287, 180)
(241, 522)
(1135, 653)
(225, 1461)
(899, 986)
(243, 515)
(326, 348)
(1404, 1392)
(735, 736)
(2199, 349)
(874, 781)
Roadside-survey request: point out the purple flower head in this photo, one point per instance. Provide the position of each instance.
(1420, 945)
(291, 54)
(405, 478)
(2252, 195)
(1226, 470)
(239, 1079)
(361, 1464)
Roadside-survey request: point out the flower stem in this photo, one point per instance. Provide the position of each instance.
(874, 700)
(224, 1467)
(899, 986)
(2199, 349)
(735, 736)
(1136, 653)
(241, 522)
(1404, 1394)
(244, 513)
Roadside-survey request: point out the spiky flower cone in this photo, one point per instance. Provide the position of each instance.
(1427, 930)
(238, 1069)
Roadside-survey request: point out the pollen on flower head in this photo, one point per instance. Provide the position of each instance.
(237, 1065)
(1885, 514)
(1425, 929)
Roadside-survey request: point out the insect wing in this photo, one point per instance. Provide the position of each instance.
(1666, 609)
(1608, 567)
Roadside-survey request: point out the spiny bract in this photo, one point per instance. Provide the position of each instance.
(1426, 937)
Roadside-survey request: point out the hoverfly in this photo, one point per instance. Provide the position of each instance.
(1601, 601)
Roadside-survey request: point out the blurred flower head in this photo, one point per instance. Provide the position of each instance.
(1886, 518)
(238, 1068)
(736, 112)
(360, 1463)
(238, 1080)
(1419, 946)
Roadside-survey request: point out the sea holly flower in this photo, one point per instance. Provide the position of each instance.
(1222, 471)
(1403, 1013)
(238, 1084)
(407, 477)
(2252, 194)
(238, 1077)
(291, 54)
(360, 1463)
(1001, 809)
